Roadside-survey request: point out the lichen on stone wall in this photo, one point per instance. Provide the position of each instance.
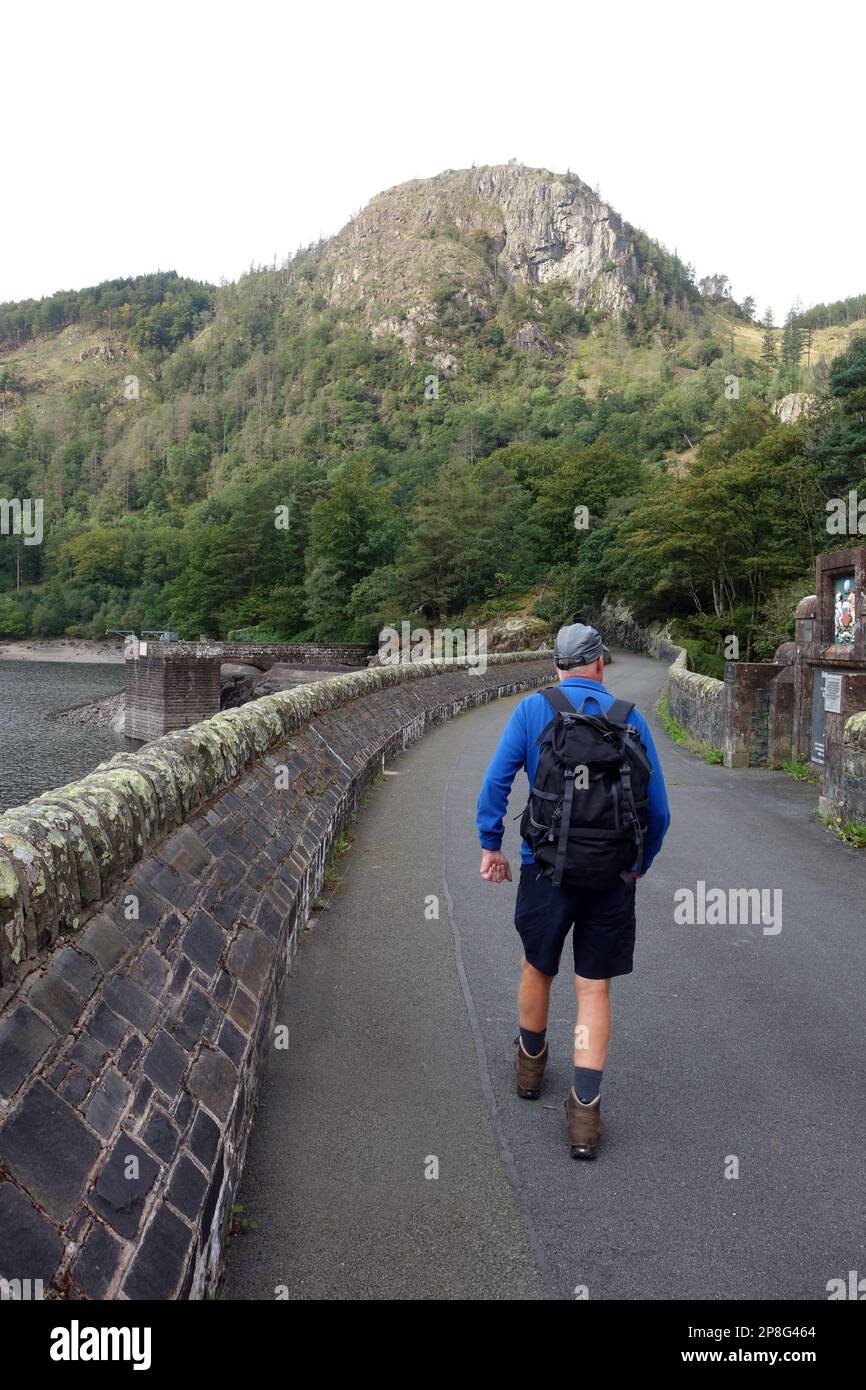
(696, 702)
(855, 730)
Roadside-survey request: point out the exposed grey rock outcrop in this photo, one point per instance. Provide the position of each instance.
(477, 227)
(792, 406)
(518, 634)
(101, 714)
(237, 682)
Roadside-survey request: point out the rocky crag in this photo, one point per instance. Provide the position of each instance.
(478, 230)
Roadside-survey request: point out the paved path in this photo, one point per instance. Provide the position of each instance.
(726, 1042)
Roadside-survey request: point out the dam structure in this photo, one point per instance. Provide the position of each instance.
(149, 914)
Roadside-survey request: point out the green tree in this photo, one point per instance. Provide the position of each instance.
(739, 522)
(96, 555)
(837, 434)
(589, 479)
(792, 349)
(354, 529)
(13, 618)
(187, 467)
(471, 520)
(769, 358)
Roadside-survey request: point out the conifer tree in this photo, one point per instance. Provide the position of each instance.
(769, 358)
(792, 340)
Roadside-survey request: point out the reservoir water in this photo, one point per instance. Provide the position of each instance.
(38, 752)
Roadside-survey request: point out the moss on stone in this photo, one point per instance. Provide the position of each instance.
(855, 730)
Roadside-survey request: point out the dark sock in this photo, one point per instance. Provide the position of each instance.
(587, 1083)
(533, 1043)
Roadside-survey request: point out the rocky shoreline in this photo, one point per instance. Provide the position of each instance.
(63, 649)
(101, 714)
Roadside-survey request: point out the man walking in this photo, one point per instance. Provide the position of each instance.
(596, 819)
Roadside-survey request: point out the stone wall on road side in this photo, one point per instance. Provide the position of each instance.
(846, 796)
(695, 701)
(148, 915)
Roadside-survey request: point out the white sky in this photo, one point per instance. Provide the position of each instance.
(201, 137)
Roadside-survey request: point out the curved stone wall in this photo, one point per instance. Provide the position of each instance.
(695, 701)
(148, 914)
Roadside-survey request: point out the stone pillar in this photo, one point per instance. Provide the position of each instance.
(805, 640)
(746, 712)
(781, 731)
(839, 743)
(168, 690)
(827, 658)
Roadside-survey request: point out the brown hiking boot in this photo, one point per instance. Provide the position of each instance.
(530, 1070)
(584, 1125)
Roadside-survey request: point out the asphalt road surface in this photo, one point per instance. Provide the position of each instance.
(734, 1049)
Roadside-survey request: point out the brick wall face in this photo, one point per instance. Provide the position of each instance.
(131, 1047)
(166, 694)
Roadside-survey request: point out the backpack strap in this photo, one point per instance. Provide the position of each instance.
(558, 700)
(560, 703)
(635, 749)
(564, 826)
(628, 794)
(619, 711)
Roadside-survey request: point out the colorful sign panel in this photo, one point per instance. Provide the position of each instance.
(843, 610)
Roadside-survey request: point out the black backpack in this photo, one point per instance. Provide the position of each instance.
(585, 819)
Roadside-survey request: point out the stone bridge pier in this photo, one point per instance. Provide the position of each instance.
(169, 689)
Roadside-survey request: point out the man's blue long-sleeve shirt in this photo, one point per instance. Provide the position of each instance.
(517, 749)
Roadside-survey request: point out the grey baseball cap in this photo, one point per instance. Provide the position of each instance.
(577, 645)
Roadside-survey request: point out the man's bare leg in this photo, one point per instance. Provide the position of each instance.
(592, 1033)
(533, 998)
(530, 1058)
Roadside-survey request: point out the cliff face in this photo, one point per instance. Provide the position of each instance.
(477, 230)
(792, 406)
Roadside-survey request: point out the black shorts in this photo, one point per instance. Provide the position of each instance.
(603, 921)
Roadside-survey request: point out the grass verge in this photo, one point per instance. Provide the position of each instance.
(799, 769)
(850, 832)
(681, 735)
